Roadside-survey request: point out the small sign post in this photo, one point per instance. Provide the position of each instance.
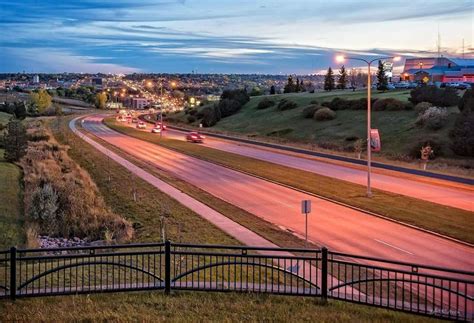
(306, 209)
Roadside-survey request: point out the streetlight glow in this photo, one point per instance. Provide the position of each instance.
(340, 58)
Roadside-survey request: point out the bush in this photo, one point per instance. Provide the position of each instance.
(44, 207)
(191, 119)
(211, 116)
(421, 107)
(467, 101)
(38, 136)
(193, 112)
(265, 103)
(462, 135)
(324, 114)
(286, 104)
(308, 112)
(409, 106)
(389, 104)
(415, 150)
(434, 118)
(239, 95)
(440, 97)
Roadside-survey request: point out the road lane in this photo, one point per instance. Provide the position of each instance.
(462, 198)
(335, 226)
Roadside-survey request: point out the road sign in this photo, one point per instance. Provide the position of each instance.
(306, 209)
(375, 143)
(305, 206)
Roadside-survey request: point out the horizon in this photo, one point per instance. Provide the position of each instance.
(210, 37)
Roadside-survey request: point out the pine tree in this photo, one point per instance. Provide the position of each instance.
(15, 141)
(329, 84)
(342, 80)
(290, 86)
(297, 88)
(272, 89)
(382, 80)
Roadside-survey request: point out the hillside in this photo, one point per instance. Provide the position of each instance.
(401, 138)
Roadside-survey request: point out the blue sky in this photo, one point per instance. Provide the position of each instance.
(223, 36)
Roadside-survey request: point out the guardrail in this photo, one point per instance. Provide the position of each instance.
(414, 288)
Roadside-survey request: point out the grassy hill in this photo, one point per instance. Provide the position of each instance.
(399, 134)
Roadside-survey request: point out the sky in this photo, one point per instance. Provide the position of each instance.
(224, 36)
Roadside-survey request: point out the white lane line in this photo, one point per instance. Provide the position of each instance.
(394, 247)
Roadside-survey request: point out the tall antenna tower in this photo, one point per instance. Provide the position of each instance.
(439, 43)
(463, 48)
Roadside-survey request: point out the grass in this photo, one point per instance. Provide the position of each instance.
(194, 307)
(450, 221)
(4, 117)
(11, 220)
(399, 134)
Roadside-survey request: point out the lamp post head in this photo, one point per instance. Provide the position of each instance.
(340, 58)
(397, 59)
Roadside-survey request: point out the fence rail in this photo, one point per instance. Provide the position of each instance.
(426, 290)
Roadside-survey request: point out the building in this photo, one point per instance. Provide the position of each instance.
(438, 69)
(36, 79)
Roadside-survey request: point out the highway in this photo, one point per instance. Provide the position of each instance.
(332, 225)
(455, 195)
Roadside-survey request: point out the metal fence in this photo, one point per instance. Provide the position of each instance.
(419, 289)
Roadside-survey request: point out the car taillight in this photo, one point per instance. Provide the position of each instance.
(194, 137)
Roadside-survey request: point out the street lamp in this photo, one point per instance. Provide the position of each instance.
(341, 59)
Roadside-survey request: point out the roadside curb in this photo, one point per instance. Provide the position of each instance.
(451, 178)
(324, 198)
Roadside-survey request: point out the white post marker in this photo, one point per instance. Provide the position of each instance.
(306, 209)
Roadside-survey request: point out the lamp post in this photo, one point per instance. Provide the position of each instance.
(369, 126)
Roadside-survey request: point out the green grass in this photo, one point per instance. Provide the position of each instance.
(11, 220)
(4, 117)
(450, 221)
(194, 307)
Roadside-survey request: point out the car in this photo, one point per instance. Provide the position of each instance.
(141, 125)
(160, 125)
(134, 120)
(156, 130)
(194, 137)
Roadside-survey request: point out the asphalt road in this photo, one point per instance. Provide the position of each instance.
(456, 195)
(338, 228)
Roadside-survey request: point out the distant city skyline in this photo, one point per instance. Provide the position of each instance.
(269, 37)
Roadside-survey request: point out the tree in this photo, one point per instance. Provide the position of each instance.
(44, 206)
(382, 80)
(15, 141)
(329, 83)
(272, 89)
(342, 79)
(100, 100)
(290, 86)
(297, 87)
(40, 101)
(20, 110)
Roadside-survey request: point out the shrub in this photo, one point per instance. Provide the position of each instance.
(440, 97)
(314, 102)
(308, 112)
(239, 95)
(44, 207)
(409, 106)
(265, 103)
(415, 149)
(38, 136)
(389, 104)
(193, 112)
(434, 118)
(191, 119)
(324, 114)
(421, 107)
(228, 107)
(337, 104)
(286, 104)
(211, 115)
(462, 135)
(467, 101)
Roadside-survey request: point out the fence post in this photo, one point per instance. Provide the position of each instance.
(324, 274)
(167, 267)
(12, 273)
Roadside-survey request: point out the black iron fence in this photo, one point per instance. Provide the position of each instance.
(426, 290)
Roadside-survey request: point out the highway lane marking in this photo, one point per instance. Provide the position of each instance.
(395, 247)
